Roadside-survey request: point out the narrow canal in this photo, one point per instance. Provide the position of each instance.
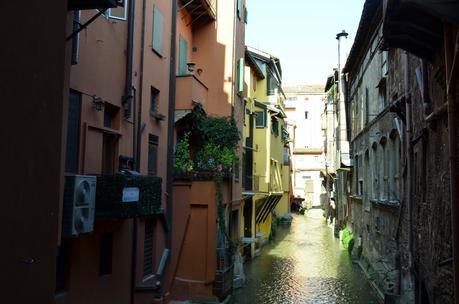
(304, 264)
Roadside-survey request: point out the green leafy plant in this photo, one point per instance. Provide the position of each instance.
(182, 160)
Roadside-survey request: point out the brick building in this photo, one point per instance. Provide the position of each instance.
(401, 106)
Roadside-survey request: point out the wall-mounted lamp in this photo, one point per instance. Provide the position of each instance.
(191, 67)
(98, 103)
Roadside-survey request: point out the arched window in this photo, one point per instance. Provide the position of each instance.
(356, 174)
(383, 171)
(375, 171)
(395, 165)
(366, 178)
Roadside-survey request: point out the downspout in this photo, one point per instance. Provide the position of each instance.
(170, 132)
(451, 58)
(409, 163)
(126, 99)
(140, 103)
(137, 120)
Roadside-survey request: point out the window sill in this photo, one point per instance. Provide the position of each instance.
(156, 115)
(157, 53)
(386, 203)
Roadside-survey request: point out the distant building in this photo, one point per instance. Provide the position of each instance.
(304, 107)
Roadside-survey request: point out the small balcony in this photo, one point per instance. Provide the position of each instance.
(126, 196)
(190, 91)
(201, 11)
(94, 4)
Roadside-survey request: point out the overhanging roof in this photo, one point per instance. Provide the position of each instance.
(368, 23)
(416, 26)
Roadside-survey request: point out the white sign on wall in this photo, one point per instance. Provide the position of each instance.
(130, 194)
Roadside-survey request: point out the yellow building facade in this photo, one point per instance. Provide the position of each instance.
(266, 158)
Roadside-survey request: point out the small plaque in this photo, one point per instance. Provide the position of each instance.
(130, 194)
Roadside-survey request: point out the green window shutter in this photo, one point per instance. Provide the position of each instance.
(158, 23)
(183, 53)
(240, 75)
(239, 8)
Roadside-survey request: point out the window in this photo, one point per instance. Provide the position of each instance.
(105, 253)
(110, 116)
(73, 132)
(254, 83)
(76, 38)
(154, 100)
(286, 156)
(270, 84)
(62, 267)
(375, 170)
(395, 166)
(119, 12)
(383, 170)
(356, 171)
(148, 248)
(240, 75)
(306, 114)
(275, 126)
(152, 154)
(246, 18)
(239, 8)
(158, 29)
(108, 154)
(260, 121)
(183, 56)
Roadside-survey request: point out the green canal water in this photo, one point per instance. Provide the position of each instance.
(305, 263)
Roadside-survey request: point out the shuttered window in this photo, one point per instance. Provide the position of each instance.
(239, 8)
(260, 119)
(148, 248)
(152, 154)
(73, 132)
(76, 38)
(183, 56)
(240, 75)
(62, 267)
(158, 29)
(105, 253)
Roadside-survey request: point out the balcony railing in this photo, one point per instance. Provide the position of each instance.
(189, 91)
(93, 4)
(125, 196)
(201, 11)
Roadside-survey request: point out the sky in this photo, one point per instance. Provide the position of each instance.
(302, 33)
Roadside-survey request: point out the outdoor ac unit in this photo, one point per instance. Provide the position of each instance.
(79, 204)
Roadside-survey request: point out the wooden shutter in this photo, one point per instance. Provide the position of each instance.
(183, 54)
(105, 253)
(240, 75)
(158, 23)
(148, 248)
(152, 154)
(73, 132)
(239, 8)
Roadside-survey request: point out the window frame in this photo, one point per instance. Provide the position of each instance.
(108, 14)
(257, 126)
(154, 92)
(154, 31)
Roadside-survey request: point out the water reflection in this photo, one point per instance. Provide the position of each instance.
(305, 264)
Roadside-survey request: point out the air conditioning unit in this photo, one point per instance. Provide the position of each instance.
(79, 204)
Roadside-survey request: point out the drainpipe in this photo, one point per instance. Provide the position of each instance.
(451, 58)
(126, 99)
(409, 164)
(170, 131)
(140, 103)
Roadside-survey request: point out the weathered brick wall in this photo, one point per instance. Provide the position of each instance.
(430, 227)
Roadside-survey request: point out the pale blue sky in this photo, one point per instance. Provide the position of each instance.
(302, 34)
